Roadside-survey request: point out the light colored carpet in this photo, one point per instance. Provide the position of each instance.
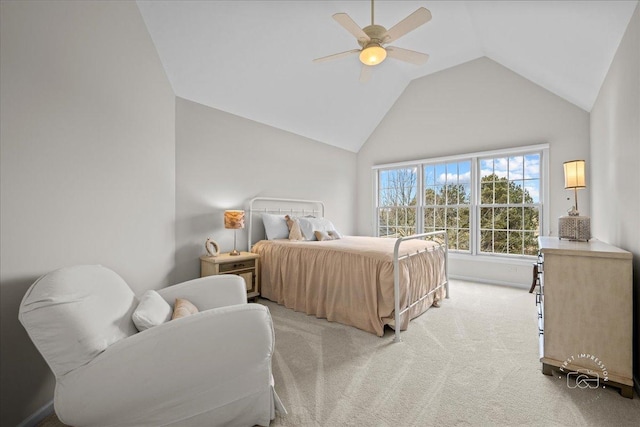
(473, 361)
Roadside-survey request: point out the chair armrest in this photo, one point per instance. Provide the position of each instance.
(172, 371)
(208, 292)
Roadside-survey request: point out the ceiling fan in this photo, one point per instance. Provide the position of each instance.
(372, 39)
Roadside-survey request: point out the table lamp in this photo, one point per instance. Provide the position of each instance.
(573, 226)
(574, 178)
(234, 220)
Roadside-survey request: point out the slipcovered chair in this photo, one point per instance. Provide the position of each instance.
(208, 369)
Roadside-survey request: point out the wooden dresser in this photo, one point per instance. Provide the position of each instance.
(585, 311)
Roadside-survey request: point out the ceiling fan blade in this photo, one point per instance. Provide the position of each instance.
(350, 25)
(337, 55)
(411, 22)
(407, 55)
(365, 73)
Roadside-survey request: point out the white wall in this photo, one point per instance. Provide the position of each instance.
(477, 106)
(87, 164)
(615, 148)
(223, 160)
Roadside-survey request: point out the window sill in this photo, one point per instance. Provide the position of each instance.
(498, 259)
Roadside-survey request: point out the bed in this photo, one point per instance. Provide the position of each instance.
(365, 282)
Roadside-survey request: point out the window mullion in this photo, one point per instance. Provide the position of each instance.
(419, 200)
(474, 209)
(376, 200)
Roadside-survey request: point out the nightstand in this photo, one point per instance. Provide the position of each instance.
(244, 265)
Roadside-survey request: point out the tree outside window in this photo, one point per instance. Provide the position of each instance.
(447, 198)
(509, 207)
(397, 202)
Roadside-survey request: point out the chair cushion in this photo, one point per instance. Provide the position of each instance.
(72, 314)
(152, 311)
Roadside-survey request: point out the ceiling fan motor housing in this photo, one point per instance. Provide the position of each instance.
(376, 35)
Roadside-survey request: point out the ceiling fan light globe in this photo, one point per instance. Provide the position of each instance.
(373, 55)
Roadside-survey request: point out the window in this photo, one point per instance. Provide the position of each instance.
(447, 200)
(509, 207)
(489, 203)
(397, 202)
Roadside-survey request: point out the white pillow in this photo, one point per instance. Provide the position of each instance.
(275, 226)
(152, 311)
(310, 225)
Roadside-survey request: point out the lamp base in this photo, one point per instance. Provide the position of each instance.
(574, 228)
(234, 252)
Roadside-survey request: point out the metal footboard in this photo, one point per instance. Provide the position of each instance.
(396, 275)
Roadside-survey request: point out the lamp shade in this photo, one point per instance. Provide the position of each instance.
(373, 54)
(234, 219)
(574, 176)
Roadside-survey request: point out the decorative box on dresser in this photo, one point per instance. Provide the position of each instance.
(585, 310)
(244, 265)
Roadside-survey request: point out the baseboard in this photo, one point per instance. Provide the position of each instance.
(489, 282)
(34, 419)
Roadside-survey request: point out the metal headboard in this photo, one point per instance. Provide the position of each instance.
(274, 205)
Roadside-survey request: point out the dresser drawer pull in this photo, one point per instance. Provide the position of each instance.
(538, 298)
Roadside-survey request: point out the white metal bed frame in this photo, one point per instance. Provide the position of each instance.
(317, 208)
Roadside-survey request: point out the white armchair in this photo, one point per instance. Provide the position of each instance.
(211, 368)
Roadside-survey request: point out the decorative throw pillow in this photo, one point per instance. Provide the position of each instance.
(322, 235)
(294, 228)
(152, 311)
(183, 308)
(334, 234)
(326, 235)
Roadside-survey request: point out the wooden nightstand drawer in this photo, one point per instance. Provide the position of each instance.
(240, 265)
(245, 265)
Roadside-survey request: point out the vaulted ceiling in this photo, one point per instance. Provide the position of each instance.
(253, 58)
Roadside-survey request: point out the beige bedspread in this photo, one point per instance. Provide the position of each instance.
(350, 280)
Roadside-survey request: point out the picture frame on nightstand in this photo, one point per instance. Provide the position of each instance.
(212, 247)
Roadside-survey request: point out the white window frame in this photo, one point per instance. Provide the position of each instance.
(474, 217)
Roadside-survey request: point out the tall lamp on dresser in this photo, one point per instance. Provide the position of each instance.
(574, 226)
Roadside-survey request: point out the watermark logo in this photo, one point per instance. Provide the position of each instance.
(585, 378)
